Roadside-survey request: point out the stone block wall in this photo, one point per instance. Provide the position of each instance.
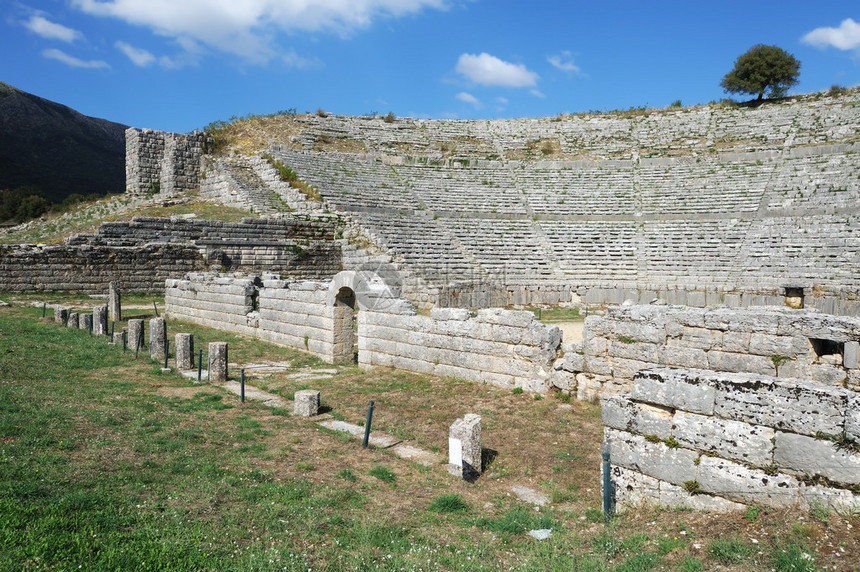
(167, 163)
(503, 347)
(290, 313)
(294, 313)
(215, 301)
(799, 344)
(144, 151)
(719, 441)
(141, 254)
(89, 269)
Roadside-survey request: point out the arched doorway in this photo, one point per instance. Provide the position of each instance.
(344, 326)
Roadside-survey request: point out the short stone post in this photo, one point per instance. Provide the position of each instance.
(218, 362)
(117, 338)
(157, 335)
(100, 321)
(85, 322)
(74, 319)
(464, 447)
(184, 351)
(114, 305)
(306, 403)
(61, 314)
(135, 329)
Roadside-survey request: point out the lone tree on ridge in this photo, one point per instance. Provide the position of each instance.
(760, 69)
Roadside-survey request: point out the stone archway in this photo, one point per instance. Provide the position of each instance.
(350, 292)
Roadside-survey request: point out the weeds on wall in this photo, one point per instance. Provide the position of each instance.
(288, 175)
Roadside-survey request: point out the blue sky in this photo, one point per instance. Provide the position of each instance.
(177, 65)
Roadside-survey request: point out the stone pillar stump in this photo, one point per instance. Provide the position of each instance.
(306, 403)
(74, 320)
(464, 447)
(135, 334)
(61, 314)
(100, 321)
(157, 336)
(114, 305)
(218, 362)
(184, 351)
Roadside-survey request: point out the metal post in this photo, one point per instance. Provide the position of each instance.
(540, 313)
(112, 324)
(209, 368)
(155, 307)
(44, 308)
(242, 385)
(199, 366)
(607, 488)
(124, 340)
(166, 351)
(138, 342)
(367, 426)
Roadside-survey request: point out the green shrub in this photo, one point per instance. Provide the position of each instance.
(346, 475)
(728, 551)
(382, 473)
(792, 558)
(449, 503)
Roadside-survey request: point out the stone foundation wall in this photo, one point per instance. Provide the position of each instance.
(141, 254)
(799, 344)
(294, 313)
(90, 269)
(290, 313)
(503, 347)
(717, 441)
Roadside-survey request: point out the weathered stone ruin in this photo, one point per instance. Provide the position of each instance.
(768, 340)
(723, 243)
(503, 347)
(716, 441)
(162, 163)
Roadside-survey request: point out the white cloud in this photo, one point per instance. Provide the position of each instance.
(51, 30)
(845, 37)
(502, 100)
(293, 60)
(248, 28)
(61, 56)
(485, 69)
(468, 98)
(537, 93)
(138, 57)
(564, 62)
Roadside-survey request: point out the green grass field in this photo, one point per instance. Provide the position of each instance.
(108, 464)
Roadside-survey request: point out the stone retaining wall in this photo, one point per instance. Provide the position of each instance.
(502, 347)
(141, 254)
(85, 268)
(290, 313)
(720, 441)
(774, 341)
